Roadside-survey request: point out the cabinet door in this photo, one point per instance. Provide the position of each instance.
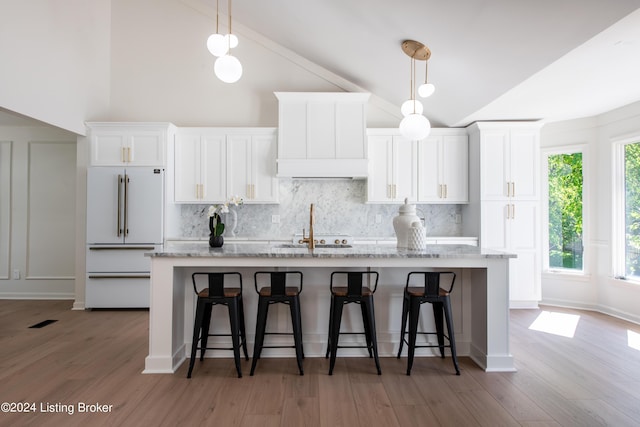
(454, 168)
(108, 148)
(239, 167)
(146, 148)
(404, 165)
(263, 168)
(379, 179)
(187, 169)
(493, 164)
(429, 184)
(523, 162)
(494, 233)
(214, 170)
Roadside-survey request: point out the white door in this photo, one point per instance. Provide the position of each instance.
(105, 207)
(214, 171)
(429, 185)
(144, 205)
(146, 148)
(494, 146)
(523, 162)
(405, 175)
(380, 173)
(239, 166)
(455, 168)
(187, 171)
(263, 160)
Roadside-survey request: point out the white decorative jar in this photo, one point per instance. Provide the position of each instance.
(402, 223)
(417, 236)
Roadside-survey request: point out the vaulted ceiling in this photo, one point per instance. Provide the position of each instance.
(491, 59)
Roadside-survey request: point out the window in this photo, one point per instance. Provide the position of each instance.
(626, 213)
(632, 210)
(565, 210)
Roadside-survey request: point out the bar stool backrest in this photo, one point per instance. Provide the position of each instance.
(215, 282)
(432, 281)
(278, 281)
(356, 281)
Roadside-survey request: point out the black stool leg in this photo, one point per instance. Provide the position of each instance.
(294, 307)
(367, 327)
(196, 335)
(206, 324)
(403, 330)
(261, 323)
(243, 333)
(437, 315)
(414, 314)
(330, 333)
(235, 332)
(371, 320)
(336, 317)
(452, 338)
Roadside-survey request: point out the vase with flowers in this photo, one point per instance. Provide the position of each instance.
(216, 226)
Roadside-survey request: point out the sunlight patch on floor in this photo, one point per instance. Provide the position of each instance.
(633, 339)
(556, 323)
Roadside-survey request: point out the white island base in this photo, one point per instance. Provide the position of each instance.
(480, 298)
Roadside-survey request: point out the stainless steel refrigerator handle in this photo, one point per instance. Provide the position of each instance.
(115, 276)
(126, 199)
(118, 219)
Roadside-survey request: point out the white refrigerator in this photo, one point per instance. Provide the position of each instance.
(124, 220)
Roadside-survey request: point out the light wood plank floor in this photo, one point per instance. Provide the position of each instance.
(591, 379)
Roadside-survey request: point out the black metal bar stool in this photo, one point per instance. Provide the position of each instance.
(414, 297)
(216, 293)
(357, 292)
(277, 292)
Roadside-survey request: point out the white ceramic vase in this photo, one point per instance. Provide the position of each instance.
(402, 223)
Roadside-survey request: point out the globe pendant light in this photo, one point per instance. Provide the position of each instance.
(426, 89)
(227, 67)
(216, 43)
(414, 126)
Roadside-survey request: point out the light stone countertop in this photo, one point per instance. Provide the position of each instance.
(262, 250)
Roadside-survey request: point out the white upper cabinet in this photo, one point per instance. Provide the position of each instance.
(392, 168)
(443, 167)
(509, 164)
(213, 164)
(322, 134)
(253, 173)
(200, 167)
(128, 144)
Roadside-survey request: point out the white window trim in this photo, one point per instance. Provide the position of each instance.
(618, 235)
(566, 149)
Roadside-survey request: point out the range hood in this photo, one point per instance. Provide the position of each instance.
(322, 135)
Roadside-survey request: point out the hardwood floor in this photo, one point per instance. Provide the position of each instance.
(590, 379)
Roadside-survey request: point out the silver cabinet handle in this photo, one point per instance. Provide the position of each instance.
(119, 208)
(126, 203)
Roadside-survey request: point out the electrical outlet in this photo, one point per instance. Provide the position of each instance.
(275, 219)
(16, 274)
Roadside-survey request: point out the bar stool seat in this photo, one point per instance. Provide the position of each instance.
(439, 298)
(355, 292)
(217, 294)
(276, 291)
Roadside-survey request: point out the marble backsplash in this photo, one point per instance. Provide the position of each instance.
(339, 207)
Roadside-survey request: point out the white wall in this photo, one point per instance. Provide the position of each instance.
(55, 60)
(596, 289)
(162, 71)
(37, 212)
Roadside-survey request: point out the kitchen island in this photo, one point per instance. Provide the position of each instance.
(481, 295)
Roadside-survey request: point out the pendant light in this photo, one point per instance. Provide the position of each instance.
(227, 67)
(414, 126)
(216, 42)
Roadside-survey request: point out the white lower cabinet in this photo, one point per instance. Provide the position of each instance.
(213, 164)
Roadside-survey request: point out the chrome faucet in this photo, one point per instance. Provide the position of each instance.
(309, 240)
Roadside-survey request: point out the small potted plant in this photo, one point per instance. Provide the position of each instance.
(216, 226)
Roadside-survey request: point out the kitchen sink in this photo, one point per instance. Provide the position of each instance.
(318, 246)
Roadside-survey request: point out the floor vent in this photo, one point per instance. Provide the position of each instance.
(43, 324)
